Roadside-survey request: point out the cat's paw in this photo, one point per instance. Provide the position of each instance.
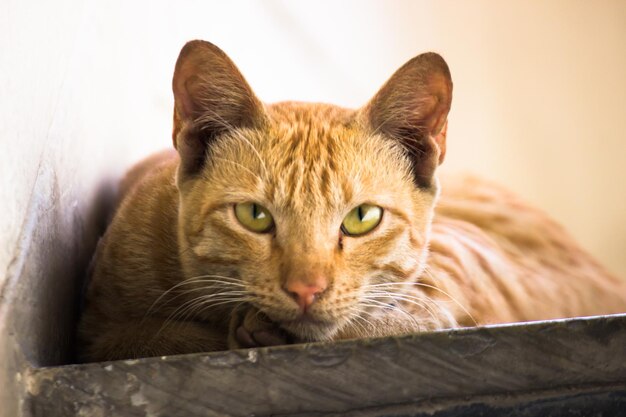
(251, 328)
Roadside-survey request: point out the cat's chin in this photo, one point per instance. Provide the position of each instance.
(306, 329)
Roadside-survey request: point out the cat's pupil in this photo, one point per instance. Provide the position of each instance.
(360, 213)
(256, 213)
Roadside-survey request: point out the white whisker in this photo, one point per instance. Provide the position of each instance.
(218, 279)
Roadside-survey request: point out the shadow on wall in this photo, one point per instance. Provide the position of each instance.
(48, 271)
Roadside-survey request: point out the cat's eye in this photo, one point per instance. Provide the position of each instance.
(254, 217)
(361, 220)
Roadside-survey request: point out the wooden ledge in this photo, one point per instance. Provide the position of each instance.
(492, 370)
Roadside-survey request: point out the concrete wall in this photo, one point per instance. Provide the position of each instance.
(540, 105)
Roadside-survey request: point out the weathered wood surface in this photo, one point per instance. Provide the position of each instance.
(541, 366)
(605, 402)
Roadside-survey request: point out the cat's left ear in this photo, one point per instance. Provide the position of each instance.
(412, 107)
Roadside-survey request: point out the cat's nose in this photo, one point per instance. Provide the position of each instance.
(305, 292)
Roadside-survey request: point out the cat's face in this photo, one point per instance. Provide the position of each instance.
(302, 210)
(309, 169)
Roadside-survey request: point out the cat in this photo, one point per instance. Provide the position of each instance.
(297, 222)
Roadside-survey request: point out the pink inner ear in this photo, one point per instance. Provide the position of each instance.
(440, 139)
(186, 103)
(437, 95)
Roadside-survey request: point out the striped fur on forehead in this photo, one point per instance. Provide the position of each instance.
(320, 155)
(311, 157)
(305, 149)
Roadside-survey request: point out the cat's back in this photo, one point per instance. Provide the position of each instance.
(155, 168)
(509, 261)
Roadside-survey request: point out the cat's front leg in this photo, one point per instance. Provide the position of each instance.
(250, 328)
(149, 336)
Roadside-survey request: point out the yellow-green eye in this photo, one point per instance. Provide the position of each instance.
(254, 217)
(362, 219)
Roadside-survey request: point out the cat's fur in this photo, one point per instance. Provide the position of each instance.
(177, 273)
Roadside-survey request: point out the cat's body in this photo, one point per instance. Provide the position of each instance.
(180, 271)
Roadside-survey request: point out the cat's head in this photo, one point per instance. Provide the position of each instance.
(303, 210)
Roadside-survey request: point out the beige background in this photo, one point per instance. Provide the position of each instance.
(539, 102)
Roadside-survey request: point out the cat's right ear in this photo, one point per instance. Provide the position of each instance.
(211, 98)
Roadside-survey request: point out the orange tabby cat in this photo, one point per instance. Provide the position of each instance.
(301, 222)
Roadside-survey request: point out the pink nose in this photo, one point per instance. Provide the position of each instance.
(305, 293)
